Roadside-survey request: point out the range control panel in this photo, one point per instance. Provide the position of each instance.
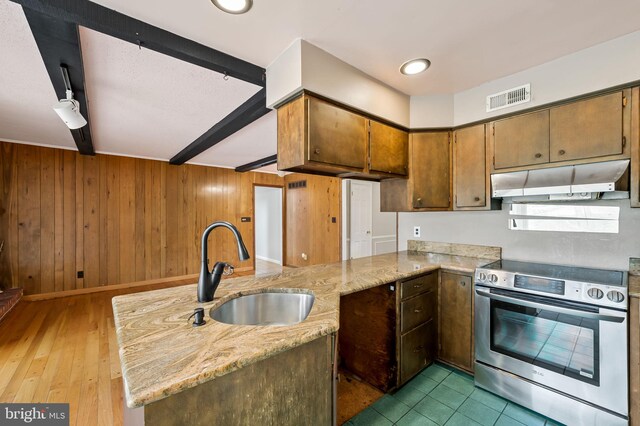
(595, 294)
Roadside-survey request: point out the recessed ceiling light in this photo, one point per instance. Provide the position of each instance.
(415, 66)
(233, 6)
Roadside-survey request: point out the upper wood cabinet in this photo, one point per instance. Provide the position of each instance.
(429, 184)
(587, 129)
(317, 136)
(521, 140)
(470, 177)
(388, 149)
(580, 131)
(314, 135)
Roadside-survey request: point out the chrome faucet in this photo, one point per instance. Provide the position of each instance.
(208, 281)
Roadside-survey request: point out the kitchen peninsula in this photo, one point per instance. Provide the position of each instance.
(165, 360)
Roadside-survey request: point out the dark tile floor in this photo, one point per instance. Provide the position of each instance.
(444, 396)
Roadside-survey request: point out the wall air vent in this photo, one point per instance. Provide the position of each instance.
(507, 98)
(297, 184)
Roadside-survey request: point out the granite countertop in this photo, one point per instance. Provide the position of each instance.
(162, 354)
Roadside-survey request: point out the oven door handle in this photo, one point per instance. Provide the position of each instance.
(529, 304)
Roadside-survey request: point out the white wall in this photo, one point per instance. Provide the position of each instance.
(268, 225)
(304, 65)
(431, 111)
(604, 65)
(610, 251)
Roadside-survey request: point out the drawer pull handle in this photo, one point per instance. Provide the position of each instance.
(417, 285)
(417, 311)
(418, 349)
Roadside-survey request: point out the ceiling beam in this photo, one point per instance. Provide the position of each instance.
(59, 44)
(245, 114)
(123, 27)
(266, 161)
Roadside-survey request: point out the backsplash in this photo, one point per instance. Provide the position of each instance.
(470, 250)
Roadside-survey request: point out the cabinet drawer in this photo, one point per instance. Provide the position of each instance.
(417, 310)
(416, 349)
(419, 285)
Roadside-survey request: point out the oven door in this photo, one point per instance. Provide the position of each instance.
(574, 348)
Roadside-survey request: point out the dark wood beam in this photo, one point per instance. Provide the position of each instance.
(59, 44)
(266, 161)
(115, 24)
(245, 114)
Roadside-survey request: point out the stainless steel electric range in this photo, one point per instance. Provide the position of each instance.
(554, 339)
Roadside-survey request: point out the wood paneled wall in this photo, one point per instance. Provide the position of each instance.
(310, 229)
(117, 219)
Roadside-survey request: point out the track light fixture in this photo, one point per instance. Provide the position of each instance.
(69, 109)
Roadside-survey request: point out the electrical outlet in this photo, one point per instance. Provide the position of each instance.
(416, 231)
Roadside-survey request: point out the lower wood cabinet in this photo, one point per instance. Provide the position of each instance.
(456, 320)
(634, 361)
(388, 333)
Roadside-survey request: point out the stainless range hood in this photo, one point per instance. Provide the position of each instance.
(580, 182)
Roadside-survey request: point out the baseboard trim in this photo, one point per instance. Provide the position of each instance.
(179, 280)
(266, 259)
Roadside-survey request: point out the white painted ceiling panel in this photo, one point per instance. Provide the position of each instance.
(26, 93)
(258, 140)
(146, 104)
(469, 42)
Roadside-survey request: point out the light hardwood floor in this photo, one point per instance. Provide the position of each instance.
(65, 350)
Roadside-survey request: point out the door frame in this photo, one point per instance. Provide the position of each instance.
(284, 219)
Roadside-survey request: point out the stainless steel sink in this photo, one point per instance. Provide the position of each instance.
(271, 308)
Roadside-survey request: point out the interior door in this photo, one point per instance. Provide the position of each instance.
(360, 219)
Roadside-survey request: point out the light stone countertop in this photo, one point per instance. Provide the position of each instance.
(162, 354)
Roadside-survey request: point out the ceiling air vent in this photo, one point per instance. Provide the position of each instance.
(515, 96)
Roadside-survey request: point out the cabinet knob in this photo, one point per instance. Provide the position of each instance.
(561, 152)
(417, 285)
(316, 151)
(304, 256)
(463, 284)
(538, 155)
(418, 349)
(417, 311)
(476, 199)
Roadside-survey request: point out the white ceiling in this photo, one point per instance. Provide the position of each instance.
(26, 93)
(468, 41)
(145, 104)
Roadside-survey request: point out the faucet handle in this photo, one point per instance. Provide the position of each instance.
(228, 269)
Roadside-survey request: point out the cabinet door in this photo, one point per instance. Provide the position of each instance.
(456, 320)
(522, 140)
(586, 129)
(470, 167)
(388, 149)
(431, 169)
(336, 136)
(416, 350)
